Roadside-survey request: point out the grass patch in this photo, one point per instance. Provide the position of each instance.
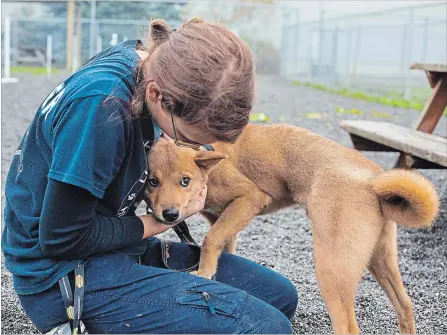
(313, 115)
(32, 70)
(259, 117)
(391, 100)
(352, 111)
(382, 115)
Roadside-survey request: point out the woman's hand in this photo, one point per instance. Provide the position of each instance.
(196, 205)
(152, 227)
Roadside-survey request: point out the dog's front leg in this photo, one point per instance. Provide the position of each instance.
(231, 245)
(234, 218)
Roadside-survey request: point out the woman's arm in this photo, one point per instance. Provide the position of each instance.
(70, 228)
(88, 139)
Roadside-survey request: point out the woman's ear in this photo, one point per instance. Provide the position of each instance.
(208, 159)
(153, 92)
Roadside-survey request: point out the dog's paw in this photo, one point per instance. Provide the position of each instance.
(201, 274)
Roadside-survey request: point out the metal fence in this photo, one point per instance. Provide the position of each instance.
(370, 51)
(32, 32)
(94, 33)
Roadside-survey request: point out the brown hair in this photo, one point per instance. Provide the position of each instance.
(205, 74)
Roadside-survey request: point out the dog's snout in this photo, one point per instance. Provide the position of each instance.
(171, 214)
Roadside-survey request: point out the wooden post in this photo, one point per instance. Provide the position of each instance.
(49, 55)
(70, 21)
(93, 31)
(79, 34)
(15, 41)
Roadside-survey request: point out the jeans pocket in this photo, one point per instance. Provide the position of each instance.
(215, 297)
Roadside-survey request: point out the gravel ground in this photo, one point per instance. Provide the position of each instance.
(422, 253)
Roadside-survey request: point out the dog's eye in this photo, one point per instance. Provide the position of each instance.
(153, 182)
(185, 181)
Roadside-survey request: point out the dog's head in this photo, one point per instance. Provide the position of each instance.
(176, 176)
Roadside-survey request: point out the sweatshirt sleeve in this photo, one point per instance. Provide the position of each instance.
(88, 142)
(70, 227)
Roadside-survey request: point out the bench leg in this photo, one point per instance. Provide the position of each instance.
(429, 117)
(434, 108)
(405, 161)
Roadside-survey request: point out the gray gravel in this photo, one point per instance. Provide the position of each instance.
(283, 241)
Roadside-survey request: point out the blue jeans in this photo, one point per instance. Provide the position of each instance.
(123, 296)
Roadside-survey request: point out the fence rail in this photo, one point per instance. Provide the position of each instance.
(368, 51)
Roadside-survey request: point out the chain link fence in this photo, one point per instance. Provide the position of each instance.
(370, 51)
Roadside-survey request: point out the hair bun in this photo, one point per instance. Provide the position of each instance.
(159, 32)
(196, 20)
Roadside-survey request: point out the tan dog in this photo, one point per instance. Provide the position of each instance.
(352, 203)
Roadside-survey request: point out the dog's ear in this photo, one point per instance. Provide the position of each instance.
(208, 159)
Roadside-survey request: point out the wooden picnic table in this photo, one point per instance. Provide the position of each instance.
(419, 148)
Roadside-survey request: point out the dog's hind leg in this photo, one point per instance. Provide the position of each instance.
(384, 267)
(344, 239)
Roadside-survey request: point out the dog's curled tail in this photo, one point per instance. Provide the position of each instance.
(407, 198)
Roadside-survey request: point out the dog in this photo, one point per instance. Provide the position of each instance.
(352, 202)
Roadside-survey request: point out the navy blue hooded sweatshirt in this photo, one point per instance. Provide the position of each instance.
(82, 147)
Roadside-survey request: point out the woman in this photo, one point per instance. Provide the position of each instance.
(78, 176)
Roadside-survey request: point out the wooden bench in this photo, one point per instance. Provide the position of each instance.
(31, 56)
(419, 148)
(424, 150)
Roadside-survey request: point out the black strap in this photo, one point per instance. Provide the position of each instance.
(182, 232)
(78, 297)
(74, 304)
(67, 297)
(147, 129)
(166, 254)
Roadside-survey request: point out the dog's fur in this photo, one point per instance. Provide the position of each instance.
(353, 205)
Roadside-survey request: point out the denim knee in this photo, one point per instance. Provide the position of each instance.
(281, 325)
(280, 293)
(289, 297)
(261, 318)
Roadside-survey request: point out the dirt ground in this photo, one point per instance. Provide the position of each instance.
(283, 240)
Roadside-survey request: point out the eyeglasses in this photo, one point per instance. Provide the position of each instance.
(180, 143)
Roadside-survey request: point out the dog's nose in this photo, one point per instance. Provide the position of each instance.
(171, 214)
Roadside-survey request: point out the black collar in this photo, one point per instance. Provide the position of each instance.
(208, 147)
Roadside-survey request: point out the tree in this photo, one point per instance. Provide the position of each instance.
(128, 12)
(122, 10)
